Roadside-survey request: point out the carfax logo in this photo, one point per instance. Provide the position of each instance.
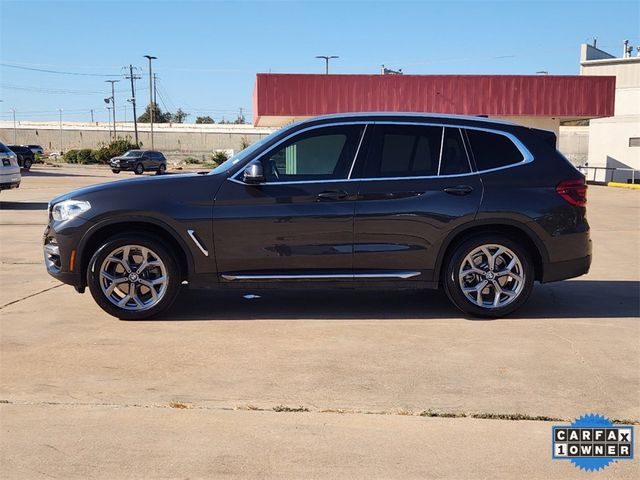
(592, 442)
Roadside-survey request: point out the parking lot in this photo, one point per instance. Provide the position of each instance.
(323, 384)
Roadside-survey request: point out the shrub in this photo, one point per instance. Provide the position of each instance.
(107, 151)
(244, 142)
(219, 157)
(71, 156)
(191, 160)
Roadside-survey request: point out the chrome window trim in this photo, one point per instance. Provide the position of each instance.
(297, 132)
(441, 149)
(395, 274)
(526, 154)
(355, 157)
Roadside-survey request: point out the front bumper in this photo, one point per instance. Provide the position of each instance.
(61, 258)
(121, 165)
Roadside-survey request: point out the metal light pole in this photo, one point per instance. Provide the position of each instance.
(60, 124)
(13, 110)
(113, 104)
(109, 122)
(326, 61)
(151, 105)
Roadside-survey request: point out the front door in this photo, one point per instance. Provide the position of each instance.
(298, 223)
(416, 185)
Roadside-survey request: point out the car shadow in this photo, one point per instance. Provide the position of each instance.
(40, 173)
(569, 299)
(23, 205)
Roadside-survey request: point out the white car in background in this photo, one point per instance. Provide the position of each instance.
(9, 169)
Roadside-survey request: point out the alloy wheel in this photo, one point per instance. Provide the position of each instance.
(133, 277)
(491, 276)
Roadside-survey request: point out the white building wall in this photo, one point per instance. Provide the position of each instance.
(609, 144)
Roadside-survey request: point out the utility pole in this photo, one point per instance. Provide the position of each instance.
(155, 89)
(60, 111)
(241, 117)
(133, 77)
(13, 110)
(151, 95)
(326, 61)
(113, 104)
(91, 115)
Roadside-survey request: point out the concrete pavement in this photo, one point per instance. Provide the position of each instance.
(88, 394)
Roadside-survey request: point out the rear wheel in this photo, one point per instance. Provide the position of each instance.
(133, 277)
(161, 169)
(139, 170)
(489, 275)
(27, 164)
(115, 171)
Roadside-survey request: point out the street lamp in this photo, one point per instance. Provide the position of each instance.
(326, 61)
(151, 105)
(113, 104)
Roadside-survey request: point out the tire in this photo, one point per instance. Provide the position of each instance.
(503, 293)
(115, 171)
(161, 169)
(114, 276)
(27, 164)
(139, 170)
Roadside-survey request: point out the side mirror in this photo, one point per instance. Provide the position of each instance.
(254, 174)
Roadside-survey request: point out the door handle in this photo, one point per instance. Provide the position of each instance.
(459, 190)
(332, 195)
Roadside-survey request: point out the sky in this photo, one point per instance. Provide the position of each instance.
(209, 51)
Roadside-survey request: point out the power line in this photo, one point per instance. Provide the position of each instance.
(58, 72)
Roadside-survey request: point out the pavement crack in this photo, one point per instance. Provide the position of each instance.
(29, 296)
(301, 409)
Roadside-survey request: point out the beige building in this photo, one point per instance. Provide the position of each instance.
(614, 142)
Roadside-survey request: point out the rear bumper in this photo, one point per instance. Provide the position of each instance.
(9, 185)
(556, 271)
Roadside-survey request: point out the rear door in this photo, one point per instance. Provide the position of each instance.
(416, 185)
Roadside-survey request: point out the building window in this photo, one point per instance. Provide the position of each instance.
(634, 141)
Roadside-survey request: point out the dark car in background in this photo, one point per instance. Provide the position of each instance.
(26, 157)
(139, 161)
(478, 207)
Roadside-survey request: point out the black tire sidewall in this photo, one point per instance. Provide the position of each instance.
(161, 169)
(139, 169)
(171, 265)
(27, 164)
(452, 266)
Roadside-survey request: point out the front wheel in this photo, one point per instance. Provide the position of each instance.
(139, 170)
(133, 277)
(489, 275)
(115, 171)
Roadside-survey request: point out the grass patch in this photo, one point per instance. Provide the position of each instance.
(284, 408)
(178, 405)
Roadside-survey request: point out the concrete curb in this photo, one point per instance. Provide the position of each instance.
(631, 186)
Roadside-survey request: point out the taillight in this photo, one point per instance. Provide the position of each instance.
(573, 191)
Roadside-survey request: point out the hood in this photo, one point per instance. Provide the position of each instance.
(133, 186)
(130, 157)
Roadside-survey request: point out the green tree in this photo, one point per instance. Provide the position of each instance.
(180, 116)
(206, 119)
(158, 115)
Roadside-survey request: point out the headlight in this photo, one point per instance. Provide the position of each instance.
(69, 209)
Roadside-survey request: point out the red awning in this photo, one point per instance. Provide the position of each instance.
(301, 95)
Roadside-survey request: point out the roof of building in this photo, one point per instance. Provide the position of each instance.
(281, 98)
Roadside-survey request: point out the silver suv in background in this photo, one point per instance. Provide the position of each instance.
(9, 169)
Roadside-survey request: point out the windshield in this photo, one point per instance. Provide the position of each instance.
(238, 157)
(133, 153)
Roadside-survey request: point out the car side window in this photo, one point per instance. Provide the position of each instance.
(454, 159)
(403, 151)
(493, 150)
(318, 154)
